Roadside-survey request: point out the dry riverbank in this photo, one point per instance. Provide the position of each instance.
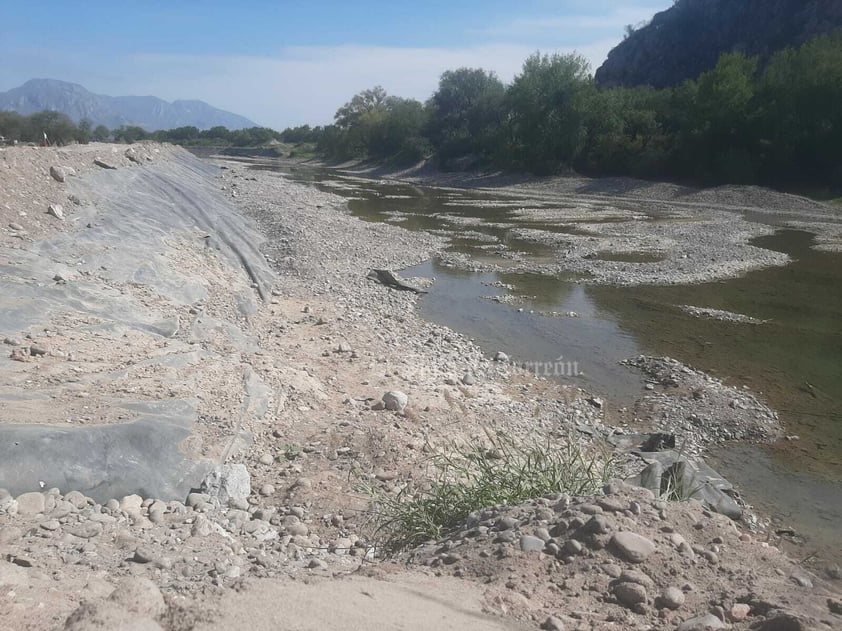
(287, 394)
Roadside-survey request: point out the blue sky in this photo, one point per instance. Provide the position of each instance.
(287, 63)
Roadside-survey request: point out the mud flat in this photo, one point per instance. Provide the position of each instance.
(235, 305)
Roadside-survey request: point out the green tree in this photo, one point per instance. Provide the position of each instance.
(83, 131)
(365, 102)
(801, 117)
(547, 103)
(13, 125)
(101, 133)
(130, 134)
(58, 128)
(467, 113)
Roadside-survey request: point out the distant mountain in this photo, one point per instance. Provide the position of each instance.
(148, 112)
(687, 39)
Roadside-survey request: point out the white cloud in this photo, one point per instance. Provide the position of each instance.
(582, 25)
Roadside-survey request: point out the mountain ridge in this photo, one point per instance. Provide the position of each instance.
(688, 38)
(149, 112)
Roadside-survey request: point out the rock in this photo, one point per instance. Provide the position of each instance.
(552, 624)
(802, 581)
(56, 210)
(59, 174)
(36, 350)
(267, 459)
(227, 482)
(50, 525)
(834, 606)
(195, 499)
(9, 534)
(131, 154)
(144, 554)
(528, 543)
(701, 623)
(31, 503)
(395, 400)
(596, 525)
(739, 612)
(632, 547)
(630, 594)
(468, 379)
(317, 564)
(15, 226)
(131, 503)
(650, 477)
(506, 523)
(781, 622)
(297, 529)
(266, 490)
(671, 598)
(633, 576)
(596, 402)
(76, 498)
(139, 595)
(572, 547)
(500, 356)
(103, 164)
(202, 527)
(85, 530)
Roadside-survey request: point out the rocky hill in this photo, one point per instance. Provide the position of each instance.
(148, 112)
(688, 38)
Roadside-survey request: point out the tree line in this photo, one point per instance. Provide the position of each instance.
(737, 123)
(60, 130)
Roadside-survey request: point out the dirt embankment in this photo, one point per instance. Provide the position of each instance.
(157, 318)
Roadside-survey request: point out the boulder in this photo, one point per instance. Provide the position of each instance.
(227, 483)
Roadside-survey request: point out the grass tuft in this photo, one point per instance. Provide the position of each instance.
(478, 475)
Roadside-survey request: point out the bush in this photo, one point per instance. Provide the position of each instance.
(479, 475)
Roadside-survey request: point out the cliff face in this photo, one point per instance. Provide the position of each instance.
(688, 38)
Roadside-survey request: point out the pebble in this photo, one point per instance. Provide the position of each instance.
(704, 622)
(739, 612)
(267, 459)
(506, 523)
(395, 400)
(500, 356)
(632, 547)
(553, 624)
(672, 598)
(77, 499)
(633, 576)
(85, 530)
(528, 543)
(630, 594)
(31, 503)
(266, 490)
(56, 210)
(143, 555)
(58, 174)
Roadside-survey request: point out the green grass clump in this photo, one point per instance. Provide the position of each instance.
(478, 475)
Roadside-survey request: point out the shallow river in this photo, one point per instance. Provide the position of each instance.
(794, 361)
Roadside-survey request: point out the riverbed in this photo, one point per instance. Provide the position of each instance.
(502, 281)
